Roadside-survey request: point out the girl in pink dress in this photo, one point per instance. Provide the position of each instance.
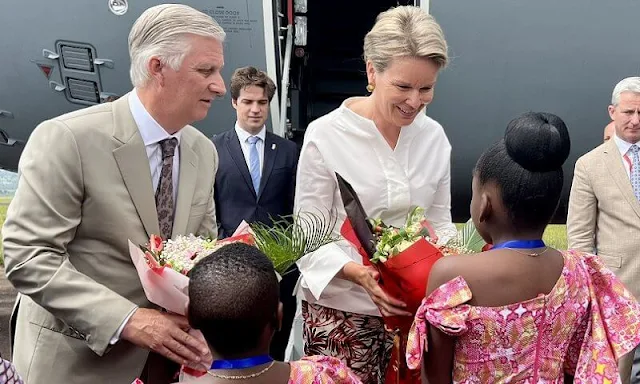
(522, 312)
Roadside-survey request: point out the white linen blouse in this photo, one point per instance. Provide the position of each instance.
(388, 182)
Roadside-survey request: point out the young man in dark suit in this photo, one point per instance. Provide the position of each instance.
(255, 181)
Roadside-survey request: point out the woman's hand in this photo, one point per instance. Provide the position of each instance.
(367, 278)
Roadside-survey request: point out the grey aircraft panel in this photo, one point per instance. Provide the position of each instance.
(29, 26)
(512, 56)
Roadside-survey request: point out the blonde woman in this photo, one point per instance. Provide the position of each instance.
(395, 157)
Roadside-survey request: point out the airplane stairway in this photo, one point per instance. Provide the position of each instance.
(334, 68)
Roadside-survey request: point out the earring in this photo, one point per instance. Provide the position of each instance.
(370, 88)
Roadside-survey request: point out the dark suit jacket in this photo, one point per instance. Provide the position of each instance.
(235, 197)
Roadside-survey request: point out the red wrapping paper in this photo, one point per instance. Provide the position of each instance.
(404, 277)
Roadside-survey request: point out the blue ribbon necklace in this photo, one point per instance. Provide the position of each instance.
(514, 245)
(249, 362)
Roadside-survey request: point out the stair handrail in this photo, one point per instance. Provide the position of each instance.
(286, 65)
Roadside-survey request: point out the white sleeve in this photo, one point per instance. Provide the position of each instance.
(315, 191)
(320, 267)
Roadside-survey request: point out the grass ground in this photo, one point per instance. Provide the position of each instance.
(555, 236)
(4, 203)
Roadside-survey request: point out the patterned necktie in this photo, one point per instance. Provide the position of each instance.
(254, 163)
(164, 193)
(635, 170)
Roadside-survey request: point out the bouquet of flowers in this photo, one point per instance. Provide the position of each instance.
(163, 268)
(164, 265)
(404, 257)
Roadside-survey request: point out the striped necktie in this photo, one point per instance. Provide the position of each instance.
(635, 170)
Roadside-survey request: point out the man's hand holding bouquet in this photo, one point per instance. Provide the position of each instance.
(164, 265)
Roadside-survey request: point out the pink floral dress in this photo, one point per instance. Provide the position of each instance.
(321, 370)
(587, 322)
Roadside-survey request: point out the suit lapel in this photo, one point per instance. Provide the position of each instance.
(615, 166)
(133, 163)
(270, 152)
(186, 185)
(235, 150)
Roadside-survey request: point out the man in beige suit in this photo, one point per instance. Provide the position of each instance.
(604, 207)
(92, 179)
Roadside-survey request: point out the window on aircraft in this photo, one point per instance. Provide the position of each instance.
(78, 58)
(83, 90)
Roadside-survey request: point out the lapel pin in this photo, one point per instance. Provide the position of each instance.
(273, 146)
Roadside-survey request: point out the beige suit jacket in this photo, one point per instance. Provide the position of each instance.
(85, 189)
(604, 214)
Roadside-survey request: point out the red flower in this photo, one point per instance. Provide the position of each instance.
(152, 262)
(432, 234)
(155, 244)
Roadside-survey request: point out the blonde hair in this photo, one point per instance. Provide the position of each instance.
(405, 31)
(162, 31)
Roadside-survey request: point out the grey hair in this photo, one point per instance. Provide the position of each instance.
(405, 31)
(630, 84)
(163, 31)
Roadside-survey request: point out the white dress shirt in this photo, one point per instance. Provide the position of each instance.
(152, 133)
(388, 182)
(624, 147)
(246, 147)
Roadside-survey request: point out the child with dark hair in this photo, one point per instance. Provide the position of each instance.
(522, 312)
(233, 301)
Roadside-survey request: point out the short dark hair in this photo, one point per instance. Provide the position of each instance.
(247, 76)
(527, 167)
(233, 296)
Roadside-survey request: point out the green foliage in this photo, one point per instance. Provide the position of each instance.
(468, 238)
(291, 237)
(391, 241)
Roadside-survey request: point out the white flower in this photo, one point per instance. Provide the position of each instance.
(183, 252)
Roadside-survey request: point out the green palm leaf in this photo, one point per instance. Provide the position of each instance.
(468, 238)
(291, 237)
